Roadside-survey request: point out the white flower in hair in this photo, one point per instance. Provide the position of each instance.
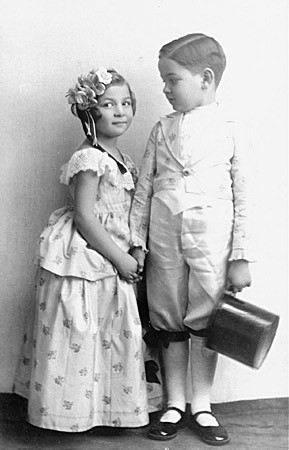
(103, 75)
(88, 87)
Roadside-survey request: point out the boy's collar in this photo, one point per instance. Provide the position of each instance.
(210, 106)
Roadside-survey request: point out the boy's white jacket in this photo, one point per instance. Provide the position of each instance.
(218, 170)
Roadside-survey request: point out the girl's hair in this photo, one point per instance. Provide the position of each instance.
(197, 52)
(116, 79)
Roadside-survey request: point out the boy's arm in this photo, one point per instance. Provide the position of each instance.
(239, 275)
(141, 205)
(241, 170)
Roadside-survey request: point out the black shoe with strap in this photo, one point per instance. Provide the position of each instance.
(164, 431)
(211, 435)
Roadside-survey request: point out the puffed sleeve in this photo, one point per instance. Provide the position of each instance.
(88, 159)
(241, 174)
(141, 205)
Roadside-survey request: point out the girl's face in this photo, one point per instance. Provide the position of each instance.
(183, 89)
(115, 106)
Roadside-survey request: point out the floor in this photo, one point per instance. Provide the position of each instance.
(254, 424)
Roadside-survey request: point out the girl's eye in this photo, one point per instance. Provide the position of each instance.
(107, 105)
(127, 103)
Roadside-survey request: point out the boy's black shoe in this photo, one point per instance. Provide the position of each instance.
(210, 435)
(163, 431)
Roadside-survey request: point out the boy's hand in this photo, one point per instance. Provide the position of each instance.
(139, 255)
(239, 276)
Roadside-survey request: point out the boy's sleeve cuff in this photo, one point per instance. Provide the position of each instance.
(239, 253)
(138, 242)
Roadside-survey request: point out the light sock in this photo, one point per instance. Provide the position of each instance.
(175, 360)
(203, 366)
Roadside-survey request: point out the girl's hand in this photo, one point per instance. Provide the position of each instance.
(239, 276)
(128, 268)
(139, 255)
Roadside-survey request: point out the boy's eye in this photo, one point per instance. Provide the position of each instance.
(171, 81)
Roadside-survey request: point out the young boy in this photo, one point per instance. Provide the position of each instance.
(192, 204)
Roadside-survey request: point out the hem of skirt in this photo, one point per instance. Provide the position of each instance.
(81, 429)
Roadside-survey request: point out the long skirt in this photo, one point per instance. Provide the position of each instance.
(82, 364)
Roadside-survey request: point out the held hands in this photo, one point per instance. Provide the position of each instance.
(238, 276)
(128, 269)
(139, 255)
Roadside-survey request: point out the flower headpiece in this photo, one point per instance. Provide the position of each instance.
(88, 88)
(83, 98)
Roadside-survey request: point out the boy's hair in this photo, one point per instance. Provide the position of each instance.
(196, 52)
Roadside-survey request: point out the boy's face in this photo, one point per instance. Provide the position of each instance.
(183, 89)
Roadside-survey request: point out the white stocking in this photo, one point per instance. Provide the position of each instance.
(203, 366)
(175, 359)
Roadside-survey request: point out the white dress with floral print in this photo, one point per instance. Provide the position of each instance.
(82, 364)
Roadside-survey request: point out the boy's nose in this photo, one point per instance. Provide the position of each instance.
(166, 88)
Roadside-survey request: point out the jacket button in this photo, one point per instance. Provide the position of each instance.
(186, 173)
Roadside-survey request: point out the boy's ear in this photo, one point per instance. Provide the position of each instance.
(208, 78)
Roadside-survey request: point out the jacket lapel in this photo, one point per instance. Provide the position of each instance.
(170, 126)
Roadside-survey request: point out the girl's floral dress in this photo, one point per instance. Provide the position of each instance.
(82, 363)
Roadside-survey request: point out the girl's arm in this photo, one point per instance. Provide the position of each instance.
(84, 199)
(141, 206)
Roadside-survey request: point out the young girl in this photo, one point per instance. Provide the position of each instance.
(192, 197)
(83, 366)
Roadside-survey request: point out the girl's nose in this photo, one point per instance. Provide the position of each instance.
(119, 111)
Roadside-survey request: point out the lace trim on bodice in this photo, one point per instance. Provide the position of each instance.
(99, 162)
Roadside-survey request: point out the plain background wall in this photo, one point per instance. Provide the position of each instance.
(46, 45)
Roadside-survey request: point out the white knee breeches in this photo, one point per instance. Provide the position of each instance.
(187, 264)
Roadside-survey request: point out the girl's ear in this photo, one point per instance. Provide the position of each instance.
(208, 78)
